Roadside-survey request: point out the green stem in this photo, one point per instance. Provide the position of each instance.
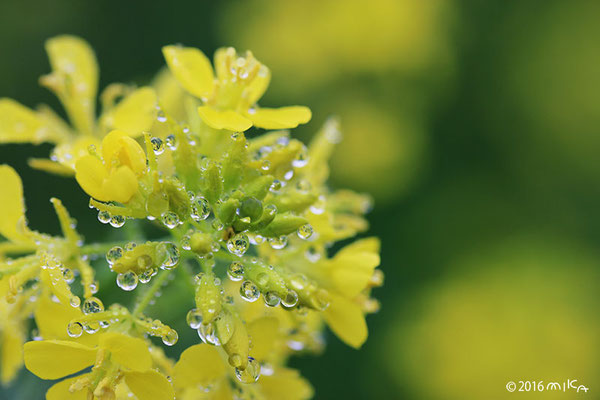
(147, 296)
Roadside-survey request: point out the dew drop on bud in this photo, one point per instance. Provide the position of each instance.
(278, 243)
(290, 299)
(249, 291)
(127, 281)
(117, 221)
(74, 329)
(170, 253)
(157, 145)
(104, 217)
(305, 231)
(171, 142)
(200, 209)
(170, 219)
(194, 318)
(250, 374)
(271, 299)
(92, 305)
(275, 186)
(238, 244)
(235, 271)
(114, 254)
(91, 327)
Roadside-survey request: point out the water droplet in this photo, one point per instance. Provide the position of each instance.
(130, 246)
(146, 276)
(265, 165)
(321, 299)
(157, 145)
(170, 219)
(161, 117)
(127, 281)
(290, 299)
(238, 244)
(92, 305)
(170, 338)
(74, 329)
(94, 287)
(271, 299)
(312, 255)
(91, 326)
(318, 207)
(200, 209)
(305, 231)
(256, 239)
(208, 334)
(185, 243)
(275, 186)
(249, 291)
(236, 135)
(235, 271)
(194, 318)
(75, 301)
(117, 221)
(114, 254)
(104, 217)
(279, 242)
(288, 175)
(262, 279)
(68, 275)
(251, 373)
(171, 255)
(217, 225)
(303, 186)
(302, 158)
(171, 142)
(298, 281)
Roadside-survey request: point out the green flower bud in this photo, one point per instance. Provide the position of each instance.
(283, 224)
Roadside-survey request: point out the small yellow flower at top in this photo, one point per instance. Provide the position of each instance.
(113, 176)
(230, 99)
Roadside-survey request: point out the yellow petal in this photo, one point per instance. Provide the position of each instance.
(52, 319)
(120, 149)
(258, 86)
(90, 173)
(346, 320)
(11, 203)
(53, 359)
(280, 118)
(135, 113)
(285, 384)
(52, 167)
(263, 332)
(150, 385)
(60, 390)
(74, 78)
(12, 353)
(191, 68)
(73, 57)
(127, 351)
(120, 185)
(352, 267)
(226, 119)
(19, 124)
(198, 365)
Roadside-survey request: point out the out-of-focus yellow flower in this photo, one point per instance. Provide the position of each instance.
(117, 359)
(523, 310)
(388, 35)
(229, 101)
(114, 176)
(74, 80)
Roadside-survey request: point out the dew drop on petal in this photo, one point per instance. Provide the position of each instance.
(238, 244)
(171, 142)
(235, 272)
(305, 231)
(104, 217)
(127, 281)
(114, 254)
(75, 301)
(278, 243)
(92, 305)
(68, 275)
(117, 221)
(271, 299)
(290, 299)
(74, 329)
(157, 145)
(200, 209)
(170, 219)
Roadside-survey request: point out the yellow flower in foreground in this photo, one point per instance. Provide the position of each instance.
(114, 177)
(118, 359)
(74, 80)
(13, 333)
(229, 101)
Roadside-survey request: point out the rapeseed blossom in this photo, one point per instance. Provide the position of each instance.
(242, 218)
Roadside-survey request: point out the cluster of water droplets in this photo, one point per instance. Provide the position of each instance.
(116, 221)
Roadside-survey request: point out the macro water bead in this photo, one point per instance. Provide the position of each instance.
(204, 201)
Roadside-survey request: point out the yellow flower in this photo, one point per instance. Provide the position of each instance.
(114, 177)
(229, 100)
(74, 80)
(117, 359)
(201, 373)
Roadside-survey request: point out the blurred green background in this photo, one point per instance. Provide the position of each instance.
(476, 127)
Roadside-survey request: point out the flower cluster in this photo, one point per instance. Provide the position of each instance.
(248, 227)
